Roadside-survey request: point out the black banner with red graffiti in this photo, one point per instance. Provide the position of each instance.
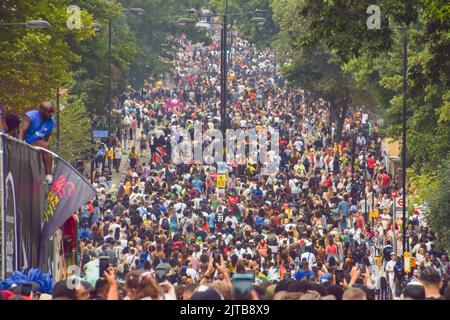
(23, 200)
(68, 193)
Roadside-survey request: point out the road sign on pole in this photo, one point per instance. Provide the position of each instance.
(100, 134)
(399, 202)
(407, 261)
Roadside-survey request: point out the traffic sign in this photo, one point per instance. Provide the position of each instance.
(100, 134)
(399, 203)
(394, 194)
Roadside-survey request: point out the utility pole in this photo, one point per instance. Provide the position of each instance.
(223, 73)
(366, 215)
(405, 89)
(58, 125)
(109, 78)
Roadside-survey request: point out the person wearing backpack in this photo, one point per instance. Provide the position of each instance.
(390, 272)
(165, 224)
(308, 256)
(173, 223)
(343, 209)
(100, 157)
(399, 275)
(351, 245)
(387, 250)
(272, 242)
(134, 158)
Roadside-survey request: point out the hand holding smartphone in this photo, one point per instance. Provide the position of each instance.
(103, 266)
(216, 256)
(161, 274)
(243, 285)
(339, 275)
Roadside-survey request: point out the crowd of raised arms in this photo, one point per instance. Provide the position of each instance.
(303, 232)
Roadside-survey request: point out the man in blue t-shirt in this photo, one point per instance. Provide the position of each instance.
(212, 222)
(37, 126)
(343, 208)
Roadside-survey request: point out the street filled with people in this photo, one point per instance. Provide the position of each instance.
(322, 227)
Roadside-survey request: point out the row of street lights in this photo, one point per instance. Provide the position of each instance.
(41, 24)
(261, 20)
(182, 21)
(28, 24)
(223, 46)
(223, 100)
(137, 11)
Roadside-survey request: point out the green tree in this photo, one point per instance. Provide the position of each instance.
(76, 130)
(439, 204)
(428, 110)
(320, 74)
(91, 71)
(374, 59)
(34, 62)
(315, 68)
(153, 29)
(261, 36)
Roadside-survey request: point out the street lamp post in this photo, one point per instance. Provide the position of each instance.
(58, 126)
(128, 10)
(353, 156)
(405, 89)
(29, 24)
(373, 201)
(97, 27)
(109, 78)
(366, 216)
(223, 73)
(232, 43)
(223, 49)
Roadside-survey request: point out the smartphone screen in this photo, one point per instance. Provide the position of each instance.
(103, 266)
(161, 274)
(216, 256)
(339, 276)
(362, 268)
(26, 289)
(252, 272)
(243, 286)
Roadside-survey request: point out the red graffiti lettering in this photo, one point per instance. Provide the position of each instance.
(62, 186)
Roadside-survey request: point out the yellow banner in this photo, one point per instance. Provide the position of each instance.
(373, 214)
(221, 181)
(407, 261)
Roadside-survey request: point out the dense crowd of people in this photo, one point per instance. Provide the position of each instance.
(322, 227)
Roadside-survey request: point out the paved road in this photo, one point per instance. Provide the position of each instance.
(117, 177)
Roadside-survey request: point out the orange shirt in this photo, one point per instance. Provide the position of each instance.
(127, 188)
